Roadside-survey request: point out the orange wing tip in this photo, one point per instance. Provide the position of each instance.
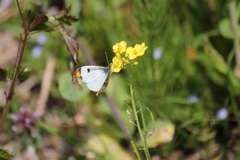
(78, 74)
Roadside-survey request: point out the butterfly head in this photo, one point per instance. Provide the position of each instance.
(77, 73)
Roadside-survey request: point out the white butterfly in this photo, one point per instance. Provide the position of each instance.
(96, 77)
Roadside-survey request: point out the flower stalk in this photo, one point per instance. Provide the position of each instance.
(126, 57)
(133, 145)
(142, 135)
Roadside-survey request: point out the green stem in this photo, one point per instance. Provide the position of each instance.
(133, 145)
(234, 24)
(138, 124)
(145, 131)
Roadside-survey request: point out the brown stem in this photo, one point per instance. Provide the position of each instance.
(86, 53)
(10, 92)
(21, 15)
(117, 116)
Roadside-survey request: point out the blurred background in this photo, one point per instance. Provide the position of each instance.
(188, 80)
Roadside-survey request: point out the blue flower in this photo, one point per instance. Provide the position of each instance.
(222, 113)
(37, 51)
(157, 53)
(42, 38)
(193, 98)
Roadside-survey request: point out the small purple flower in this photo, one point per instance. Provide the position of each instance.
(42, 38)
(37, 51)
(15, 128)
(22, 110)
(27, 121)
(222, 113)
(157, 53)
(14, 117)
(193, 98)
(23, 121)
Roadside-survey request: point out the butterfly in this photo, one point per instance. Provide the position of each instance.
(96, 77)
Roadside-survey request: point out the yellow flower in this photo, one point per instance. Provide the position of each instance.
(120, 48)
(124, 55)
(117, 64)
(137, 51)
(126, 61)
(135, 63)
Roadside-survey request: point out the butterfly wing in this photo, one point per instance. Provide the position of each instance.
(94, 77)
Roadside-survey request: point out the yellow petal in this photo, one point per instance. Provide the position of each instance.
(131, 53)
(126, 62)
(140, 49)
(117, 64)
(116, 70)
(135, 63)
(120, 47)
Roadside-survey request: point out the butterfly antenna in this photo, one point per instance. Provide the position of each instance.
(107, 58)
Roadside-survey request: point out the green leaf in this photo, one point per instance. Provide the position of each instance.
(36, 21)
(225, 28)
(63, 17)
(116, 89)
(214, 65)
(49, 129)
(208, 67)
(24, 73)
(4, 155)
(107, 146)
(67, 89)
(162, 133)
(234, 81)
(217, 60)
(10, 72)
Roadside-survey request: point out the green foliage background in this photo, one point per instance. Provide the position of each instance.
(198, 59)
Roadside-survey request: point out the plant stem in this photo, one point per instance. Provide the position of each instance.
(234, 24)
(143, 139)
(144, 129)
(134, 146)
(10, 92)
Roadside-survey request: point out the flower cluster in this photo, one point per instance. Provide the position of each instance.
(126, 55)
(24, 121)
